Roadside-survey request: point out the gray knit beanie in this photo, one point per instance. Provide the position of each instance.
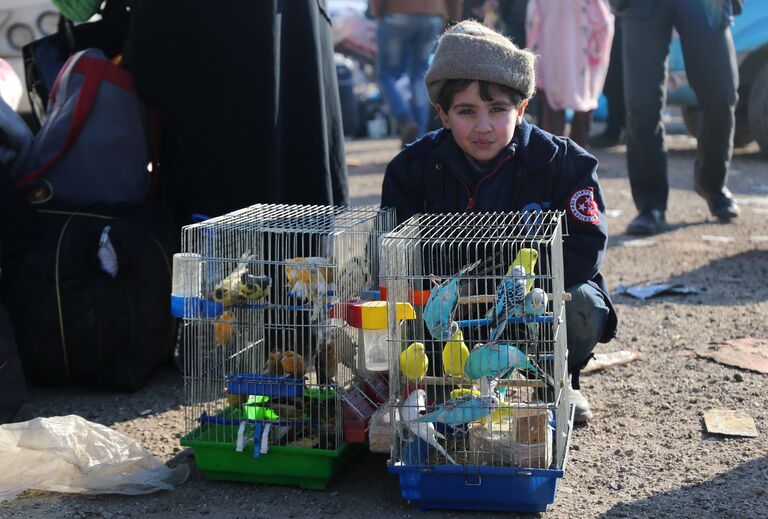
(470, 50)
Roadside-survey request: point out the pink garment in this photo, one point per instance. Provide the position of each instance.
(572, 39)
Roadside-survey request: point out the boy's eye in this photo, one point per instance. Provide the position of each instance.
(466, 111)
(499, 109)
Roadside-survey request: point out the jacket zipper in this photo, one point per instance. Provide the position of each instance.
(473, 194)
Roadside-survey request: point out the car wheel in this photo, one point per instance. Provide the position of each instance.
(741, 137)
(758, 108)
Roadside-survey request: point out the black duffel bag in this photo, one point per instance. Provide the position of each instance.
(13, 388)
(74, 322)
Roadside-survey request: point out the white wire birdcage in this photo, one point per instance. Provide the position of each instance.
(476, 380)
(266, 363)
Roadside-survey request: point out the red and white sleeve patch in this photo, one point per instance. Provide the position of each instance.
(582, 206)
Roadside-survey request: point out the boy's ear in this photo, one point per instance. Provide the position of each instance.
(521, 111)
(443, 116)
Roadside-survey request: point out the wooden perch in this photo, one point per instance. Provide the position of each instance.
(490, 298)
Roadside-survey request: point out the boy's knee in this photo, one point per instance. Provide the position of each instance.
(586, 315)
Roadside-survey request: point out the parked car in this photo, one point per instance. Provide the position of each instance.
(750, 36)
(21, 22)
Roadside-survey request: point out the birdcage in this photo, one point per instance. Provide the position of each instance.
(270, 362)
(478, 411)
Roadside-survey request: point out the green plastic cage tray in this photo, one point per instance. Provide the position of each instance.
(296, 466)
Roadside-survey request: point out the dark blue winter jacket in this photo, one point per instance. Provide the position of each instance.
(536, 171)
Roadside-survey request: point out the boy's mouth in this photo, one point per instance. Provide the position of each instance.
(482, 143)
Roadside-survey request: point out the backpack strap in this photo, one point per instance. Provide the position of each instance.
(95, 72)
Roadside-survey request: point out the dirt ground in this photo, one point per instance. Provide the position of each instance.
(645, 455)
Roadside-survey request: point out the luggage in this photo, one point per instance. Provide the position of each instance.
(93, 147)
(13, 388)
(74, 322)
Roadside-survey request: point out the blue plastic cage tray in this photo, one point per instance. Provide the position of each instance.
(267, 385)
(473, 487)
(476, 487)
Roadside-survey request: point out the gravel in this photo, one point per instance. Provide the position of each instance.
(645, 455)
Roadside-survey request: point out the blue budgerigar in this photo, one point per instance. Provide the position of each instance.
(536, 302)
(441, 305)
(510, 294)
(462, 410)
(496, 360)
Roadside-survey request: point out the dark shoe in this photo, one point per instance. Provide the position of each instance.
(647, 222)
(721, 205)
(607, 139)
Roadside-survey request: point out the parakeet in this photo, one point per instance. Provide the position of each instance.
(412, 409)
(442, 302)
(240, 285)
(309, 279)
(455, 354)
(462, 410)
(225, 327)
(293, 364)
(510, 294)
(414, 361)
(325, 361)
(273, 365)
(527, 259)
(353, 277)
(460, 392)
(495, 360)
(536, 302)
(235, 399)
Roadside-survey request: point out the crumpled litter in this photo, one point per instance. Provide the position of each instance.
(70, 454)
(655, 289)
(608, 360)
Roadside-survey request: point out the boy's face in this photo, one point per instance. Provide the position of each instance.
(481, 128)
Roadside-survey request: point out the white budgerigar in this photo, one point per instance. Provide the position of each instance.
(414, 407)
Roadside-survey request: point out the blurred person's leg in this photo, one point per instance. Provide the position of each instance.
(552, 120)
(424, 32)
(580, 125)
(645, 49)
(391, 34)
(513, 15)
(614, 94)
(710, 63)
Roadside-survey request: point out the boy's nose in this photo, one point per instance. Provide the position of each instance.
(484, 123)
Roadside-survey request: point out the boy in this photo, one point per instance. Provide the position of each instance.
(488, 158)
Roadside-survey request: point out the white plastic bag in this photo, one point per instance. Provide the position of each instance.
(71, 454)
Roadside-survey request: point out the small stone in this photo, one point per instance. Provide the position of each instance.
(738, 377)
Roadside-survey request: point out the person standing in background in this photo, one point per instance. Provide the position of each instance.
(406, 33)
(704, 27)
(485, 12)
(248, 102)
(614, 94)
(573, 41)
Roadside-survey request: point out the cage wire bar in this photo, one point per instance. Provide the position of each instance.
(489, 294)
(266, 362)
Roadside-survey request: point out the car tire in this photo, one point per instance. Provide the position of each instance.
(742, 136)
(758, 108)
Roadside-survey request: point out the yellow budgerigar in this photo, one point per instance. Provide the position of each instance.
(414, 361)
(455, 354)
(527, 259)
